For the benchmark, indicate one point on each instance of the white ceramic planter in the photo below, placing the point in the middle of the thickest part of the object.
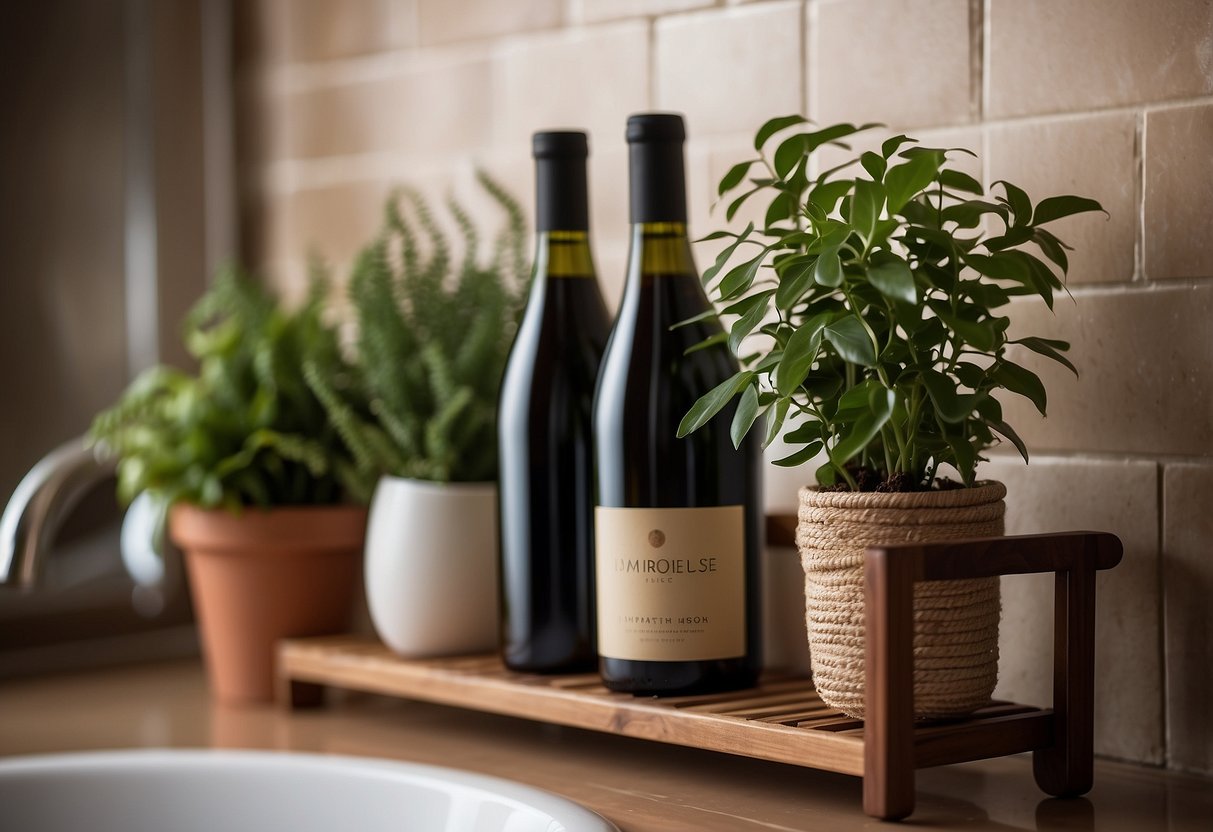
(431, 566)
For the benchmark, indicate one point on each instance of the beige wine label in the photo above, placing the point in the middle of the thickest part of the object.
(671, 583)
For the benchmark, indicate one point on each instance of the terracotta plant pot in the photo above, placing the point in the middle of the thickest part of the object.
(265, 575)
(955, 622)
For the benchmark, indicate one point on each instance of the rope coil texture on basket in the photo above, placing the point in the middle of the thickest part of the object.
(955, 622)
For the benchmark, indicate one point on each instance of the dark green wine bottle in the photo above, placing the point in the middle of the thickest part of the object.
(678, 521)
(544, 429)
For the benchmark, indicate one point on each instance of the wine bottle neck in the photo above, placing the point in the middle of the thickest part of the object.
(563, 254)
(657, 182)
(561, 193)
(661, 248)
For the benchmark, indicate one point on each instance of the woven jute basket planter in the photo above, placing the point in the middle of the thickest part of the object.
(955, 622)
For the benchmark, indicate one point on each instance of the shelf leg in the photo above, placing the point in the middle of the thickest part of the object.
(1066, 769)
(297, 695)
(888, 731)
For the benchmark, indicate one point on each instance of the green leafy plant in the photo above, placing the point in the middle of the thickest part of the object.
(433, 335)
(246, 429)
(874, 295)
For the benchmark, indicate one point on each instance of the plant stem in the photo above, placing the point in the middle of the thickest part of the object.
(888, 453)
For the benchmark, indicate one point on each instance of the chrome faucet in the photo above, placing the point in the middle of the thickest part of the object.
(42, 501)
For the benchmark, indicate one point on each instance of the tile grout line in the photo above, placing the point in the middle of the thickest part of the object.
(986, 54)
(1139, 241)
(807, 27)
(1162, 617)
(1110, 457)
(977, 61)
(983, 133)
(983, 127)
(650, 56)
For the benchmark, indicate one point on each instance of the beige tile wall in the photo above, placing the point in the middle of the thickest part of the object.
(340, 99)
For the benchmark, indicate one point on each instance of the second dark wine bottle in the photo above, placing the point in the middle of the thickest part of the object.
(544, 429)
(678, 522)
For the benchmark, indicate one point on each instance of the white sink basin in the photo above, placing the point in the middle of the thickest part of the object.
(234, 791)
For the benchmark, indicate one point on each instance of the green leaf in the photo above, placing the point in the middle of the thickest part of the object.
(874, 164)
(865, 208)
(705, 315)
(827, 269)
(826, 475)
(773, 126)
(749, 321)
(725, 254)
(826, 195)
(890, 146)
(1050, 349)
(982, 336)
(892, 276)
(851, 341)
(1052, 247)
(781, 208)
(1002, 266)
(907, 179)
(795, 277)
(958, 181)
(712, 340)
(970, 375)
(775, 418)
(734, 176)
(1022, 381)
(1014, 237)
(833, 133)
(737, 203)
(1040, 277)
(740, 277)
(1056, 207)
(965, 457)
(788, 154)
(804, 433)
(987, 295)
(968, 214)
(800, 457)
(1009, 432)
(1021, 206)
(799, 355)
(744, 416)
(857, 401)
(713, 402)
(884, 228)
(865, 429)
(951, 406)
(739, 308)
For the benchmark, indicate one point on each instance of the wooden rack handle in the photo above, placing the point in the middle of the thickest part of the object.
(1063, 768)
(1016, 555)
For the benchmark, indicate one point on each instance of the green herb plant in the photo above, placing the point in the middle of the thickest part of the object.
(433, 334)
(246, 429)
(876, 293)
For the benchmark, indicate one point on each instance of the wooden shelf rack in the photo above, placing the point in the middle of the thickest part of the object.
(782, 719)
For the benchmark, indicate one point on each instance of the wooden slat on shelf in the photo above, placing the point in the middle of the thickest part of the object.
(329, 661)
(781, 719)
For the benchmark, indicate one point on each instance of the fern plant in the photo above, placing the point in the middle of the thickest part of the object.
(432, 340)
(246, 429)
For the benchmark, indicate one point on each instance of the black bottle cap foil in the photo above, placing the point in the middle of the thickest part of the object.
(657, 176)
(561, 189)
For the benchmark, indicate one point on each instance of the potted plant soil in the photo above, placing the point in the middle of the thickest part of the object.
(418, 411)
(870, 317)
(253, 479)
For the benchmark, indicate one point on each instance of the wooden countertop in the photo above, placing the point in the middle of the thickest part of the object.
(641, 786)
